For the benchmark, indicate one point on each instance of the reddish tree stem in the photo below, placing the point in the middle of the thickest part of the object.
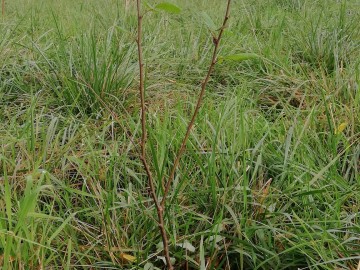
(160, 205)
(159, 208)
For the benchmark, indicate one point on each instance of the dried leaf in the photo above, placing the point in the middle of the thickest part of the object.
(150, 266)
(341, 128)
(216, 238)
(172, 260)
(187, 245)
(127, 257)
(159, 246)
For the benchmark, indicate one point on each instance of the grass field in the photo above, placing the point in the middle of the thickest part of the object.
(270, 176)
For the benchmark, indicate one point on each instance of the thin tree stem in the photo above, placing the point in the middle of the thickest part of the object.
(3, 7)
(160, 205)
(159, 208)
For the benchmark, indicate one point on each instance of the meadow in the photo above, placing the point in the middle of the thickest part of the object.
(270, 175)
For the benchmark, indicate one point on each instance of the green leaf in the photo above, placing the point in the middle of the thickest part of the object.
(208, 21)
(168, 7)
(238, 57)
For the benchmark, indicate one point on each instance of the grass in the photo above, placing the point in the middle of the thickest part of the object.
(270, 177)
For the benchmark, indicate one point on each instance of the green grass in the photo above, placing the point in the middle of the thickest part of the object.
(268, 180)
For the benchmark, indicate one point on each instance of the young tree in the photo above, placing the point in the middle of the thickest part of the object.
(161, 204)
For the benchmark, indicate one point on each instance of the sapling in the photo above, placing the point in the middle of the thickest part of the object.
(161, 204)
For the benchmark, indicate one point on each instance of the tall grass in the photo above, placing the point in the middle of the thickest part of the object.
(270, 176)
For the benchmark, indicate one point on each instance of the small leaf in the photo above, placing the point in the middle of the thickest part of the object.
(150, 266)
(187, 245)
(168, 7)
(341, 128)
(238, 57)
(159, 246)
(208, 21)
(216, 238)
(271, 208)
(127, 257)
(172, 260)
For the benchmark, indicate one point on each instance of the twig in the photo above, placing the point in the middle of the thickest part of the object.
(159, 208)
(216, 41)
(3, 7)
